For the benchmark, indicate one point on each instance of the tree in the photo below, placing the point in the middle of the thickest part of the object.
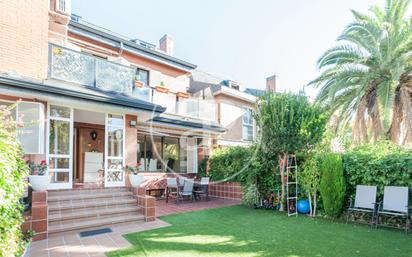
(288, 124)
(366, 78)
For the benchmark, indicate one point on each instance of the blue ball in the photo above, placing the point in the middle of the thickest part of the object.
(303, 206)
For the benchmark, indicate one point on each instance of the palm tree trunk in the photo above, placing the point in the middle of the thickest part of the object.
(374, 112)
(400, 130)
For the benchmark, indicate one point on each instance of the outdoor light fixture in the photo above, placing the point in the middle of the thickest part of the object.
(93, 135)
(132, 123)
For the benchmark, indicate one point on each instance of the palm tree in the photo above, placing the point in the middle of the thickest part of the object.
(366, 79)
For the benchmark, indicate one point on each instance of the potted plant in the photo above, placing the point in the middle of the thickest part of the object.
(135, 178)
(38, 178)
(137, 81)
(162, 88)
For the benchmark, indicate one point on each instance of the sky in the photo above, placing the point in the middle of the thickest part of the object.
(242, 40)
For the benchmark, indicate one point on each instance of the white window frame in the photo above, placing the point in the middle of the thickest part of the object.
(66, 8)
(69, 156)
(40, 137)
(106, 151)
(244, 136)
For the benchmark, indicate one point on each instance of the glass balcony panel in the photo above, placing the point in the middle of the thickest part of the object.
(165, 100)
(114, 77)
(144, 93)
(197, 109)
(72, 66)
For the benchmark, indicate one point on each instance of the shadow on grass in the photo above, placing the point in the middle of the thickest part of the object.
(239, 231)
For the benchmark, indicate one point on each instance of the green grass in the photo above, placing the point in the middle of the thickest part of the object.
(238, 231)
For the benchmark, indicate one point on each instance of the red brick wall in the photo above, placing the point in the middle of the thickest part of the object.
(226, 190)
(23, 38)
(37, 219)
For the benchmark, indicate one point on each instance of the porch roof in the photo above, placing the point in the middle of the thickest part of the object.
(189, 123)
(78, 92)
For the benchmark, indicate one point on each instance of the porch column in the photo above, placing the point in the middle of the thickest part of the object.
(130, 144)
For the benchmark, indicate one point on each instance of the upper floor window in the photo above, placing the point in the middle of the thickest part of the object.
(247, 124)
(142, 76)
(63, 6)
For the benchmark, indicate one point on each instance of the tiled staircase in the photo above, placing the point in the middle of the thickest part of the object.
(87, 209)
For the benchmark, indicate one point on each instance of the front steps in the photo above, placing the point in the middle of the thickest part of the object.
(88, 209)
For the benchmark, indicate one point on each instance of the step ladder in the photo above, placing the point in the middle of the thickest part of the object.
(292, 185)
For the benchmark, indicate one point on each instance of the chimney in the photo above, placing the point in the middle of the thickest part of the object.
(166, 44)
(271, 84)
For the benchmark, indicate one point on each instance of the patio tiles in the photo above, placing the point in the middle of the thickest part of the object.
(71, 244)
(163, 208)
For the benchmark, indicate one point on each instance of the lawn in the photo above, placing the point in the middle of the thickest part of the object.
(239, 231)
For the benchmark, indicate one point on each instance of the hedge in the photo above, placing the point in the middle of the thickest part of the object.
(12, 171)
(230, 164)
(381, 164)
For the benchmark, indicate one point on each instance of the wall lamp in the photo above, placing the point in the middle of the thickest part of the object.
(132, 123)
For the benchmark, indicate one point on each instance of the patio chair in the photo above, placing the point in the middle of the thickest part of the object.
(152, 165)
(187, 191)
(365, 203)
(395, 205)
(202, 188)
(171, 188)
(142, 164)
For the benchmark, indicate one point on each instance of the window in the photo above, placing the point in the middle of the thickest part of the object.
(162, 154)
(247, 127)
(63, 6)
(31, 134)
(142, 76)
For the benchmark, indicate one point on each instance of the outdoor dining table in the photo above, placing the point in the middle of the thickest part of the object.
(196, 187)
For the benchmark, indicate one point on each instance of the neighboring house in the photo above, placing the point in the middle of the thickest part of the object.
(234, 107)
(95, 100)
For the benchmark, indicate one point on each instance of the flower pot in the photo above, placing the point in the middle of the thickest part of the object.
(162, 89)
(136, 180)
(39, 183)
(138, 84)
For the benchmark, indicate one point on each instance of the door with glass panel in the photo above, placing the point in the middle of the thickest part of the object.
(114, 151)
(60, 146)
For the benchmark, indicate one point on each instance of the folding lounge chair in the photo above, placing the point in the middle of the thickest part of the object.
(365, 202)
(395, 204)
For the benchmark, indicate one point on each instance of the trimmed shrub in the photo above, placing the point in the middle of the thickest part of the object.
(332, 184)
(381, 164)
(230, 164)
(12, 171)
(251, 195)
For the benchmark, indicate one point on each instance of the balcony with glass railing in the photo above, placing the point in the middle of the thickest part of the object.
(84, 69)
(87, 70)
(196, 108)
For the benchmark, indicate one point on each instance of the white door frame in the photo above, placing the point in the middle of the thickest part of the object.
(69, 156)
(106, 148)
